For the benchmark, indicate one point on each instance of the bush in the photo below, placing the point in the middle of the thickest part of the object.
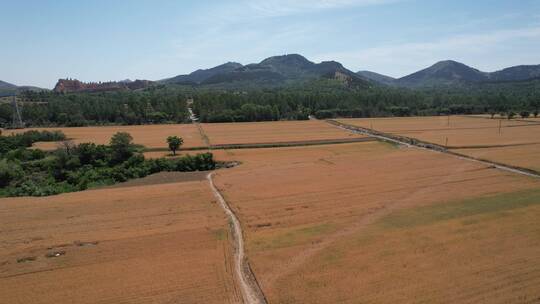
(9, 171)
(75, 168)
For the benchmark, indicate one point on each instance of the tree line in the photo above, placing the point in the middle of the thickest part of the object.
(335, 101)
(81, 109)
(168, 103)
(33, 172)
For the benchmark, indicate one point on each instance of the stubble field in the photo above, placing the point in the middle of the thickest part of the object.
(160, 243)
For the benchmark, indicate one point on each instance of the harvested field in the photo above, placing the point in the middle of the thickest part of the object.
(313, 208)
(483, 250)
(272, 132)
(163, 178)
(150, 136)
(524, 156)
(161, 243)
(462, 131)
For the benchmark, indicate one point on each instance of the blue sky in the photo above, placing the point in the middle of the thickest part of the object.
(113, 40)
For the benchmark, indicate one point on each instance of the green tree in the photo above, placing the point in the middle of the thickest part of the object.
(524, 114)
(122, 147)
(174, 143)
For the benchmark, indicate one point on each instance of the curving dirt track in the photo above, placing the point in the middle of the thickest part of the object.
(251, 292)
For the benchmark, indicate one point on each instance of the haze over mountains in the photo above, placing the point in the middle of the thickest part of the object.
(294, 69)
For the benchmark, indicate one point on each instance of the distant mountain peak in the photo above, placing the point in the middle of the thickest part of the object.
(446, 72)
(275, 70)
(289, 58)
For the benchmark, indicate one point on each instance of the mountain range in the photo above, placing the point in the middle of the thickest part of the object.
(452, 73)
(295, 69)
(290, 68)
(277, 70)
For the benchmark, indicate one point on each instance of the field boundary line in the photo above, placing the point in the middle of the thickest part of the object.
(412, 142)
(503, 119)
(251, 291)
(272, 144)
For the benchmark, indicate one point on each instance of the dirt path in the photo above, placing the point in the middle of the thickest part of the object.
(251, 292)
(195, 120)
(410, 142)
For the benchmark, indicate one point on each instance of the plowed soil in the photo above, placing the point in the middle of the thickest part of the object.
(162, 243)
(309, 212)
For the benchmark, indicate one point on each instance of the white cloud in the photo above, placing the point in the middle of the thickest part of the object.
(487, 51)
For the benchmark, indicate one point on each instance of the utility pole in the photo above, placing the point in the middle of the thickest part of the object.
(17, 119)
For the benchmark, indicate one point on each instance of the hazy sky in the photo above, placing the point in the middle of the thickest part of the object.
(95, 40)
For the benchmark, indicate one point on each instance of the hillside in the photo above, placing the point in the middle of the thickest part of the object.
(443, 73)
(7, 89)
(201, 75)
(273, 71)
(5, 85)
(451, 73)
(376, 77)
(516, 73)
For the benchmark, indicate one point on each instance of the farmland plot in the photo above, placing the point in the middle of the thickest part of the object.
(314, 225)
(458, 131)
(157, 243)
(516, 143)
(150, 136)
(524, 156)
(273, 132)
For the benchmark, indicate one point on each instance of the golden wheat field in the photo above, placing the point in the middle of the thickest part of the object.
(515, 143)
(366, 222)
(166, 242)
(371, 222)
(455, 131)
(150, 136)
(272, 132)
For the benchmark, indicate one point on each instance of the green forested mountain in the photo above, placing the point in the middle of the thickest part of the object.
(451, 73)
(516, 73)
(271, 72)
(443, 73)
(376, 77)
